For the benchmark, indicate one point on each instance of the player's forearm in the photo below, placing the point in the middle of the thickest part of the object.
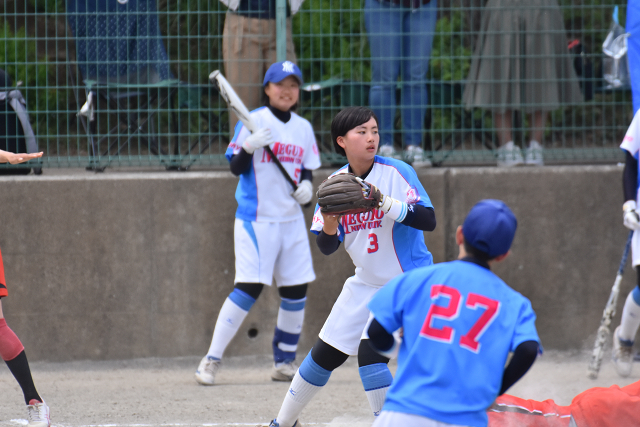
(327, 243)
(240, 163)
(3, 156)
(421, 218)
(523, 357)
(306, 175)
(630, 177)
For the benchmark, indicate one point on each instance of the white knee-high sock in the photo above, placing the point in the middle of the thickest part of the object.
(288, 328)
(307, 382)
(232, 314)
(376, 380)
(630, 316)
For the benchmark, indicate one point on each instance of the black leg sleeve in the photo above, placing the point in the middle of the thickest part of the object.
(19, 367)
(368, 356)
(326, 356)
(251, 289)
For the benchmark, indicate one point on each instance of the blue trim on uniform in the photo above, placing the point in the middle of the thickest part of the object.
(249, 229)
(410, 175)
(236, 131)
(313, 373)
(293, 304)
(242, 299)
(636, 294)
(375, 376)
(410, 247)
(281, 336)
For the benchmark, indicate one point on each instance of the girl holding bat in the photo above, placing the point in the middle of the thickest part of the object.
(270, 235)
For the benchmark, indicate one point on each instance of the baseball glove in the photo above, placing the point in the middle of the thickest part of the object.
(345, 193)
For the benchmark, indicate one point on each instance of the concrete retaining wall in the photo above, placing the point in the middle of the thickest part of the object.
(123, 265)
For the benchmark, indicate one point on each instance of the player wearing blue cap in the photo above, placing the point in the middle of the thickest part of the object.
(459, 322)
(270, 236)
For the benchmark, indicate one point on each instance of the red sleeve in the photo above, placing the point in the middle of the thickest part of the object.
(3, 283)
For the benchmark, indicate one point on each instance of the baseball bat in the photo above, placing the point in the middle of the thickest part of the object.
(607, 316)
(237, 106)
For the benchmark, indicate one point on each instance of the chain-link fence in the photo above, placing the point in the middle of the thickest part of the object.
(126, 82)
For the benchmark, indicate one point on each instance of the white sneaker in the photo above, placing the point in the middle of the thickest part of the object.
(509, 155)
(284, 371)
(622, 355)
(533, 154)
(38, 414)
(206, 373)
(386, 151)
(415, 155)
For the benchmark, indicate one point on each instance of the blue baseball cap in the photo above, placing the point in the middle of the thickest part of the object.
(490, 227)
(280, 71)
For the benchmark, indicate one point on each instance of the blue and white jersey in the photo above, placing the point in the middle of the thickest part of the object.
(631, 143)
(380, 247)
(460, 322)
(263, 194)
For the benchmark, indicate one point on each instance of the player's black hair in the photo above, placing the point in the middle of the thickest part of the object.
(346, 120)
(476, 253)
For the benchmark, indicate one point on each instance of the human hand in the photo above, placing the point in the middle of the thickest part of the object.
(304, 193)
(331, 222)
(630, 217)
(258, 139)
(15, 158)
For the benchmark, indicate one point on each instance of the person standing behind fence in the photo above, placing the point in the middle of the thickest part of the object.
(249, 46)
(521, 62)
(400, 38)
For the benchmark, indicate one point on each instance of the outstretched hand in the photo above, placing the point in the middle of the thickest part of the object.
(15, 158)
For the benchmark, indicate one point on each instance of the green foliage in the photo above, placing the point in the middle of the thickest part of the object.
(47, 6)
(20, 60)
(331, 41)
(450, 58)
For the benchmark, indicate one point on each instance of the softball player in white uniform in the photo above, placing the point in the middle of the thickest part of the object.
(270, 235)
(382, 244)
(625, 334)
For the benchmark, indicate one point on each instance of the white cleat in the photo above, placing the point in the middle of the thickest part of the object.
(622, 355)
(274, 423)
(38, 414)
(509, 155)
(284, 371)
(386, 151)
(207, 370)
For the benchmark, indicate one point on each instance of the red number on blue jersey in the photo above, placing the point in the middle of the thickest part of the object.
(449, 312)
(373, 243)
(491, 307)
(452, 310)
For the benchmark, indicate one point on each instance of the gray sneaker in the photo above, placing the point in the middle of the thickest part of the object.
(622, 355)
(386, 151)
(284, 371)
(415, 155)
(207, 370)
(38, 414)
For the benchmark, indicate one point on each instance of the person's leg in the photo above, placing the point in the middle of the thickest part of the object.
(313, 374)
(503, 125)
(538, 119)
(243, 61)
(625, 334)
(418, 32)
(375, 375)
(288, 329)
(384, 30)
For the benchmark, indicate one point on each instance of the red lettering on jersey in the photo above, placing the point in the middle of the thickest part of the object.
(447, 312)
(492, 307)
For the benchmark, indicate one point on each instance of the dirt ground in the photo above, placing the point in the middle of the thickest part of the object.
(162, 392)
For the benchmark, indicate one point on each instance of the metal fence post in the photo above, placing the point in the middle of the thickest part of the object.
(281, 30)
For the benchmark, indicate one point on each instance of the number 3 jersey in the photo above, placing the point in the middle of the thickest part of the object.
(263, 194)
(460, 321)
(380, 247)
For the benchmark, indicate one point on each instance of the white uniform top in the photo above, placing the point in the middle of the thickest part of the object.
(631, 143)
(263, 194)
(380, 247)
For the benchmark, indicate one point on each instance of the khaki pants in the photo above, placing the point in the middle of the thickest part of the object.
(248, 49)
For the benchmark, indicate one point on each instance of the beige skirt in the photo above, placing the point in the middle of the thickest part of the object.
(521, 61)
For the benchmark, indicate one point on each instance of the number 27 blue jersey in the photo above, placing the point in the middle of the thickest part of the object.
(460, 322)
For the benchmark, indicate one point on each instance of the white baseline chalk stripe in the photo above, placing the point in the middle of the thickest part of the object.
(25, 422)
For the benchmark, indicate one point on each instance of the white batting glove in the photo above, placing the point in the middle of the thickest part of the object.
(631, 220)
(304, 193)
(394, 209)
(258, 139)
